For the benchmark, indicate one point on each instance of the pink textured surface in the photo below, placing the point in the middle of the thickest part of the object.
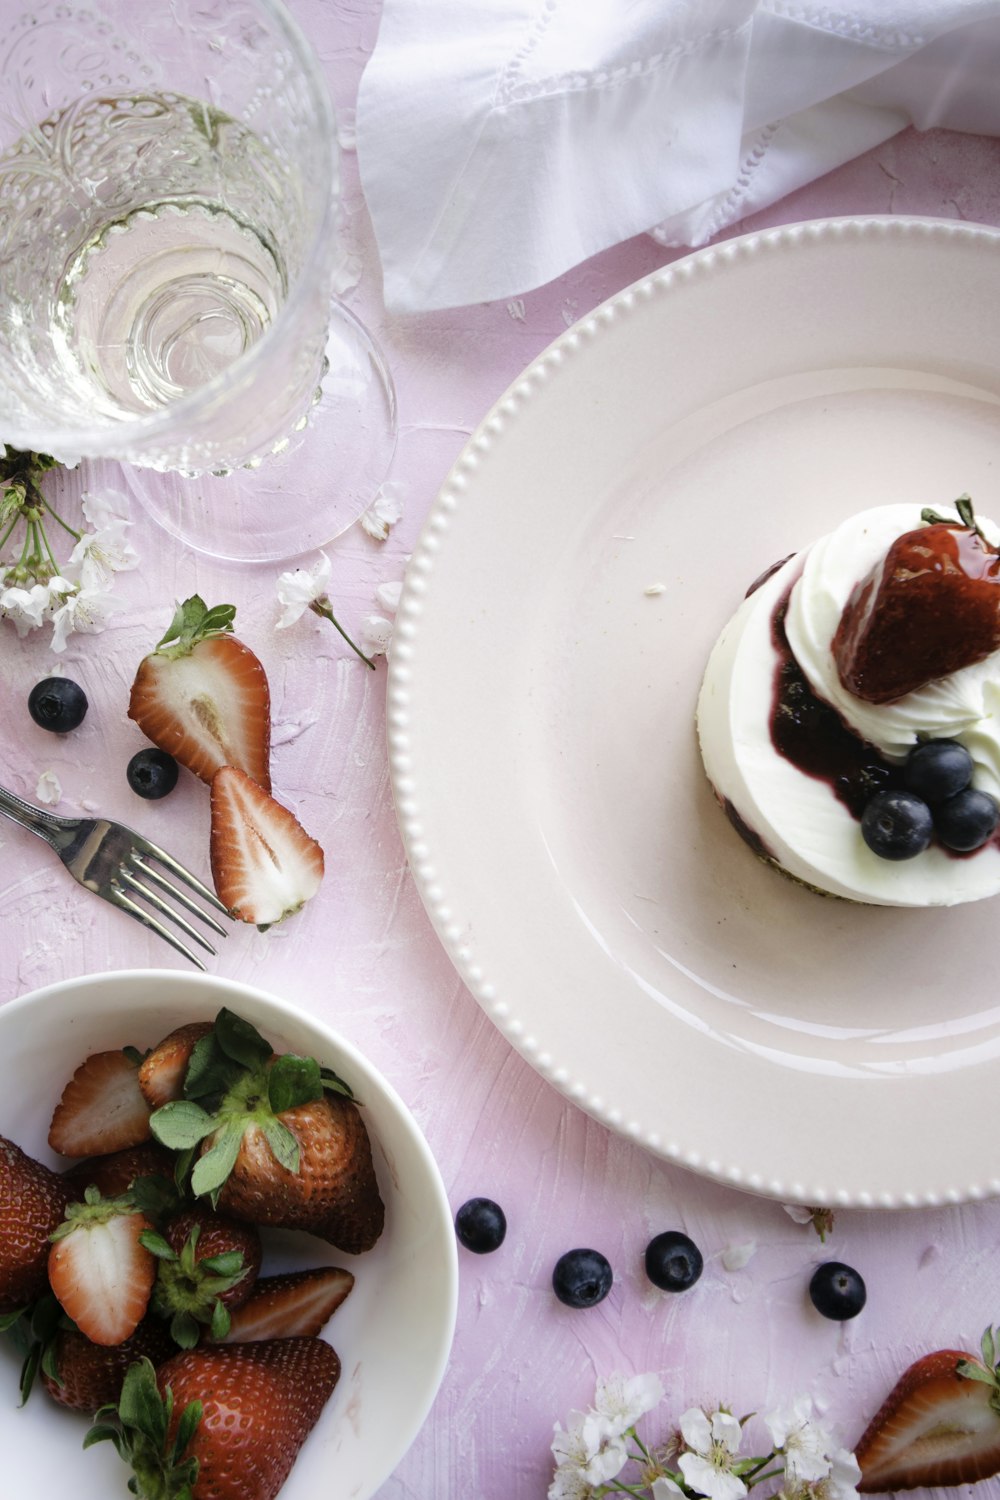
(363, 955)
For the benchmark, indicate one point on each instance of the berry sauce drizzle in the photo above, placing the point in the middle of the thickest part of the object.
(814, 738)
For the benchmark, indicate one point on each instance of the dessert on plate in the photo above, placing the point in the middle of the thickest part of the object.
(849, 716)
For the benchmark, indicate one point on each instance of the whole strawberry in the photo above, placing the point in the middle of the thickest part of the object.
(114, 1174)
(930, 607)
(227, 1421)
(278, 1140)
(86, 1376)
(206, 1267)
(202, 696)
(32, 1204)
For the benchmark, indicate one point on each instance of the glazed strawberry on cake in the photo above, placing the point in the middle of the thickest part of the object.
(849, 716)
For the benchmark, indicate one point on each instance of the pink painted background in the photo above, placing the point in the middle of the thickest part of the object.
(364, 956)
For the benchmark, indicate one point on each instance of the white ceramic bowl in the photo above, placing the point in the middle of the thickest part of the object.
(394, 1332)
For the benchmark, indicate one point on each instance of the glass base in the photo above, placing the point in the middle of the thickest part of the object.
(312, 488)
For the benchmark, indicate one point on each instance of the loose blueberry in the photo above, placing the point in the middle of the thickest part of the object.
(938, 769)
(897, 825)
(152, 773)
(58, 704)
(673, 1261)
(582, 1278)
(837, 1291)
(966, 821)
(481, 1225)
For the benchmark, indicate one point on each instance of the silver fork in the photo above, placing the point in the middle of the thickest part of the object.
(112, 861)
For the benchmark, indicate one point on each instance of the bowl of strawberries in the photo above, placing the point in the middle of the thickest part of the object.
(227, 1259)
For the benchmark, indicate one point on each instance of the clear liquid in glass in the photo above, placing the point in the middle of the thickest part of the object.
(145, 243)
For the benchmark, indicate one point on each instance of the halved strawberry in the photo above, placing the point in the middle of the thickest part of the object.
(203, 696)
(102, 1108)
(161, 1076)
(98, 1270)
(294, 1305)
(32, 1203)
(220, 1422)
(264, 864)
(940, 1425)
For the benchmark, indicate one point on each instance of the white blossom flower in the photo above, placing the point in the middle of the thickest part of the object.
(100, 554)
(87, 610)
(102, 510)
(385, 510)
(388, 595)
(623, 1400)
(376, 632)
(714, 1442)
(300, 588)
(735, 1257)
(572, 1449)
(844, 1476)
(798, 1213)
(570, 1483)
(839, 1484)
(28, 607)
(664, 1488)
(569, 1444)
(805, 1444)
(608, 1449)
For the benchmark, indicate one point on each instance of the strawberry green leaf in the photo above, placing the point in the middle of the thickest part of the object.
(214, 1167)
(102, 1432)
(7, 1320)
(181, 1124)
(134, 1055)
(157, 1245)
(335, 1085)
(218, 620)
(29, 1370)
(241, 1041)
(209, 1070)
(155, 1196)
(283, 1143)
(964, 507)
(184, 1330)
(140, 1404)
(292, 1081)
(973, 1371)
(221, 1321)
(193, 621)
(989, 1348)
(229, 1263)
(186, 1429)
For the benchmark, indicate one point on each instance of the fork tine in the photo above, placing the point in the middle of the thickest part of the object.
(161, 906)
(118, 898)
(143, 846)
(138, 862)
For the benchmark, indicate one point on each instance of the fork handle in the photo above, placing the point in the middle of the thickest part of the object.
(46, 825)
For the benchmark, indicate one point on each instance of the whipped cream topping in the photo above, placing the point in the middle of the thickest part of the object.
(964, 705)
(797, 817)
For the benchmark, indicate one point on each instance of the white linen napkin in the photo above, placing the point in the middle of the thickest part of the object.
(502, 142)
